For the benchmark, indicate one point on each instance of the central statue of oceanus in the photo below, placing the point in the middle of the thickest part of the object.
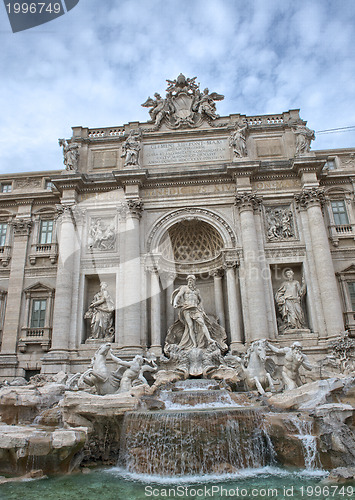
(193, 327)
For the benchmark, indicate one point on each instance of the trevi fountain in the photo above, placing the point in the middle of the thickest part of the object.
(196, 421)
(205, 265)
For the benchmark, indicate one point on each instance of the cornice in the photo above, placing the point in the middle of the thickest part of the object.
(310, 163)
(130, 177)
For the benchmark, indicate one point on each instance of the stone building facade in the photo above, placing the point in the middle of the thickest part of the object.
(238, 201)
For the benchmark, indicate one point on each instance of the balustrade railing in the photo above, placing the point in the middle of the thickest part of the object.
(337, 231)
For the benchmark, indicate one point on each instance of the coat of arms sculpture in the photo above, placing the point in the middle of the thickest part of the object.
(184, 106)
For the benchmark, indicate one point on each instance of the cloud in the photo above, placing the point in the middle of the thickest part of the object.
(96, 65)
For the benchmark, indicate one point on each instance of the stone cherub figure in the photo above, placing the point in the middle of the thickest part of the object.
(100, 313)
(288, 299)
(70, 154)
(293, 360)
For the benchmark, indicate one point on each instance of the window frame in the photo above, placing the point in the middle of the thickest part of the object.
(6, 185)
(42, 313)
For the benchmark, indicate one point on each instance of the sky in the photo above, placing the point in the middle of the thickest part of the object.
(97, 64)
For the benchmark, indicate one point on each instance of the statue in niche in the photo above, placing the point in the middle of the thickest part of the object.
(304, 137)
(100, 313)
(293, 360)
(279, 222)
(70, 154)
(237, 141)
(131, 148)
(193, 329)
(101, 237)
(289, 302)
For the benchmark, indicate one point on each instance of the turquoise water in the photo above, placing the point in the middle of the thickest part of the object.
(116, 484)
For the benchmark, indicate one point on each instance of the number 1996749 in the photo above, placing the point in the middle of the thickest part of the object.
(33, 8)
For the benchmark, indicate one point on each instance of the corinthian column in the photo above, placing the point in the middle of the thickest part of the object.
(311, 200)
(21, 231)
(247, 203)
(132, 277)
(234, 318)
(155, 313)
(58, 356)
(218, 297)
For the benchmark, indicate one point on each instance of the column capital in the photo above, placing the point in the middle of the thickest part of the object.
(152, 269)
(309, 197)
(135, 207)
(22, 226)
(247, 201)
(217, 273)
(65, 211)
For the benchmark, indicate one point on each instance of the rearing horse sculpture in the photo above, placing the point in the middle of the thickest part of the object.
(256, 367)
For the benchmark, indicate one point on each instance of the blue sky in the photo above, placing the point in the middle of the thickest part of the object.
(95, 65)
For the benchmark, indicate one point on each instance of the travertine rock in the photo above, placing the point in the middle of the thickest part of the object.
(52, 451)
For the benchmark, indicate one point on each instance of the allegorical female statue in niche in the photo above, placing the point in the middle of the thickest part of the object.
(289, 302)
(100, 313)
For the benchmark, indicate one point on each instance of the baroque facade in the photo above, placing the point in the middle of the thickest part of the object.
(93, 252)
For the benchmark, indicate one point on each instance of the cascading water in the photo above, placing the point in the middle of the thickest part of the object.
(309, 442)
(189, 441)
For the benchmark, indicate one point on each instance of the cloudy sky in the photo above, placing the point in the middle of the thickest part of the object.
(95, 65)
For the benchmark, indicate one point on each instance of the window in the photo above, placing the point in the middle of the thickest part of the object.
(351, 286)
(3, 230)
(49, 185)
(339, 212)
(330, 164)
(46, 232)
(6, 187)
(38, 315)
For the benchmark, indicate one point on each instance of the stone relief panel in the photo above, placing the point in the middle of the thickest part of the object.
(102, 234)
(105, 159)
(279, 223)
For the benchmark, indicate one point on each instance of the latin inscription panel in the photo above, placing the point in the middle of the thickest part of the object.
(169, 153)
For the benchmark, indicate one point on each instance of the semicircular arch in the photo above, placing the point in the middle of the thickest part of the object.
(219, 223)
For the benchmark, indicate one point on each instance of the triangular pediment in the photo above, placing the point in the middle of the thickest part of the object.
(38, 287)
(350, 269)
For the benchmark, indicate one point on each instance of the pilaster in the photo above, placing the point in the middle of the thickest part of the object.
(21, 230)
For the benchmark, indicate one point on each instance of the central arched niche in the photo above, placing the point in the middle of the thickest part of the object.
(191, 242)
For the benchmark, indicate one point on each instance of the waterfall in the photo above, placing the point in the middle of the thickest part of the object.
(309, 442)
(194, 441)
